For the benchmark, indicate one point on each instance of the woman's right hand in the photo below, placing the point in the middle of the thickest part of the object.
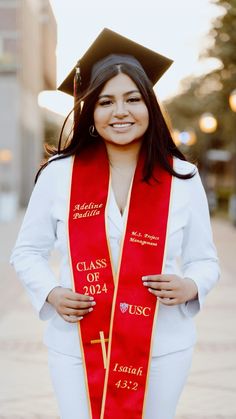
(70, 305)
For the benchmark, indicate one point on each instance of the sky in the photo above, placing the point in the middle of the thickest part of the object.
(175, 28)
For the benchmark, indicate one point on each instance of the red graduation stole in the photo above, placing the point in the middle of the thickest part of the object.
(116, 337)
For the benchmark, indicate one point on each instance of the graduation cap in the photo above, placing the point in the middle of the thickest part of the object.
(109, 43)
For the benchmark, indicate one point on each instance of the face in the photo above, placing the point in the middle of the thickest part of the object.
(120, 114)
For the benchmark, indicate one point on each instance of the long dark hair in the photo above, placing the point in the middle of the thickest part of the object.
(157, 142)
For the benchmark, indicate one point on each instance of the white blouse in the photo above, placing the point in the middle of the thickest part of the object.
(190, 253)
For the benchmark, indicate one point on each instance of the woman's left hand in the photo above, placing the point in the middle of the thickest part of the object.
(171, 289)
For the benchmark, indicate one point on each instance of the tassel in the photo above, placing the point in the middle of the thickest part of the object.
(77, 80)
(77, 89)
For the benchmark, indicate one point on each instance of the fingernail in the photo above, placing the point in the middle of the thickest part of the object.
(145, 283)
(93, 303)
(80, 318)
(90, 309)
(144, 278)
(91, 298)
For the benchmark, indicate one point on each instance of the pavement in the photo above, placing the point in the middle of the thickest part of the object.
(25, 388)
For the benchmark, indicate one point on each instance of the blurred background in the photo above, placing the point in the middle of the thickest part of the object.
(40, 41)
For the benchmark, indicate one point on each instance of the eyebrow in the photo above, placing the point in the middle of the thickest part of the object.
(125, 94)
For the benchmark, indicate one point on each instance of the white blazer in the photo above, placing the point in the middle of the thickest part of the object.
(190, 253)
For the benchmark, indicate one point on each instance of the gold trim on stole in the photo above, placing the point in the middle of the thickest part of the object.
(106, 228)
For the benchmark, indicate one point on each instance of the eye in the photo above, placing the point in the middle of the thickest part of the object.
(134, 99)
(105, 102)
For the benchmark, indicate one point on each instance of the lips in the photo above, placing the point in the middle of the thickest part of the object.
(122, 124)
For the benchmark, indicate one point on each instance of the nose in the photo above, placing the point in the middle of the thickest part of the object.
(120, 110)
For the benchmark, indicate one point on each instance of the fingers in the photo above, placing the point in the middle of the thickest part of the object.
(77, 305)
(165, 297)
(170, 289)
(72, 315)
(168, 301)
(72, 312)
(157, 284)
(71, 319)
(162, 287)
(76, 308)
(75, 300)
(71, 306)
(160, 278)
(75, 296)
(164, 294)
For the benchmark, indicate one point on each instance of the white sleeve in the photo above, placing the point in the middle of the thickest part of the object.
(35, 242)
(199, 258)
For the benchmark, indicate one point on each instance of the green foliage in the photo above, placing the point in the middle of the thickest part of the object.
(210, 93)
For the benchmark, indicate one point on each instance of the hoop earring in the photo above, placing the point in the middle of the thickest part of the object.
(92, 131)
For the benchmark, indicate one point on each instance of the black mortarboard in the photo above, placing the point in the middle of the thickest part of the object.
(107, 43)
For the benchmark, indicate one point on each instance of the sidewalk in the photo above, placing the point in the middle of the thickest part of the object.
(25, 388)
(211, 389)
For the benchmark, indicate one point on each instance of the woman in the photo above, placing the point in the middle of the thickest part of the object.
(138, 257)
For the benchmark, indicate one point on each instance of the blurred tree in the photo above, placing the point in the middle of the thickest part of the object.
(223, 34)
(210, 92)
(223, 49)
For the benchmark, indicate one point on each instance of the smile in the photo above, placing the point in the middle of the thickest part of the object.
(122, 125)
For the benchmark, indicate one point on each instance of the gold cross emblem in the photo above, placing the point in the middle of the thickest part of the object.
(103, 341)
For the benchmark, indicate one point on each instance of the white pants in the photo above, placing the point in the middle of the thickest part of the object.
(168, 374)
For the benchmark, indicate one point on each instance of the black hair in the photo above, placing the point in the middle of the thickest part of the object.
(157, 141)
